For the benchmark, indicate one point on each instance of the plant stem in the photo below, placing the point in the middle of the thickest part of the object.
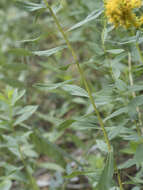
(118, 176)
(81, 74)
(134, 94)
(113, 78)
(85, 84)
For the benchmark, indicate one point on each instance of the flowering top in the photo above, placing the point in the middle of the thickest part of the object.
(120, 12)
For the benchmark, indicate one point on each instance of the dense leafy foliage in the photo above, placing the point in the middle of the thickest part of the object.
(50, 136)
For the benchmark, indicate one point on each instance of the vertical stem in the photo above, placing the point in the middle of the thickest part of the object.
(85, 84)
(82, 75)
(118, 176)
(134, 94)
(113, 78)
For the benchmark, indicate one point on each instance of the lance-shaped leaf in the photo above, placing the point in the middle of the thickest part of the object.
(107, 173)
(49, 51)
(95, 14)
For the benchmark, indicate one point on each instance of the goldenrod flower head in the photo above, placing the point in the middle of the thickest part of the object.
(120, 12)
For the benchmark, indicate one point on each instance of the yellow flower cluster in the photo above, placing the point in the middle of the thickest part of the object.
(120, 12)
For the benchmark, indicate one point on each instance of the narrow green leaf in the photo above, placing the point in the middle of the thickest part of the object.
(115, 51)
(29, 6)
(137, 101)
(25, 113)
(71, 89)
(46, 86)
(29, 40)
(75, 90)
(64, 68)
(107, 173)
(48, 52)
(121, 85)
(51, 166)
(127, 164)
(65, 124)
(5, 185)
(95, 14)
(139, 154)
(78, 173)
(116, 113)
(85, 123)
(101, 145)
(135, 88)
(17, 95)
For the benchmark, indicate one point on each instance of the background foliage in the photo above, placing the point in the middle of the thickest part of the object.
(50, 137)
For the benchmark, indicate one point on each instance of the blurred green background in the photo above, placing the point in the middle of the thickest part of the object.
(27, 32)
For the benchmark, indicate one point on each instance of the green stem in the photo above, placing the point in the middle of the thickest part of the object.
(118, 176)
(113, 78)
(85, 83)
(81, 74)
